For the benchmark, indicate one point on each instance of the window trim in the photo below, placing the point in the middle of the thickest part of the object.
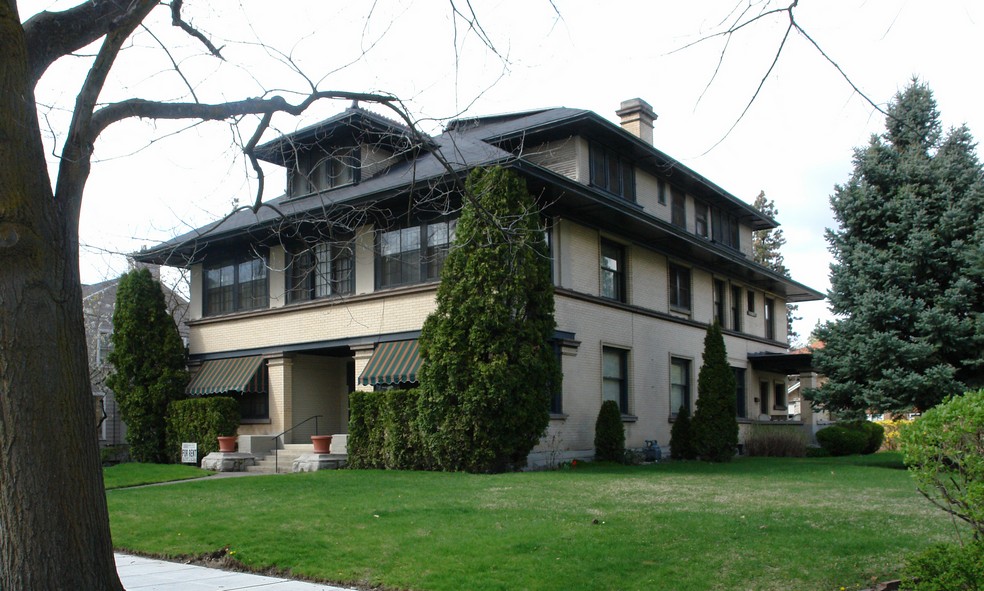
(678, 207)
(741, 392)
(720, 301)
(750, 303)
(319, 172)
(702, 216)
(779, 401)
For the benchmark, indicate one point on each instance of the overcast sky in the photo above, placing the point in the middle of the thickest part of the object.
(795, 142)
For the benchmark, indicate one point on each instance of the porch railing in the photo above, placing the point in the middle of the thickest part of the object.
(276, 467)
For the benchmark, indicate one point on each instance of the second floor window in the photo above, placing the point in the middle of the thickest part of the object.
(735, 308)
(608, 171)
(236, 286)
(679, 288)
(413, 255)
(720, 295)
(770, 318)
(612, 271)
(326, 269)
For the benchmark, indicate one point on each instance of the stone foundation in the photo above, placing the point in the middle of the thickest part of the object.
(235, 461)
(314, 462)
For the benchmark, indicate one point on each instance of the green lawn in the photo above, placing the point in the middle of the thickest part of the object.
(775, 524)
(134, 474)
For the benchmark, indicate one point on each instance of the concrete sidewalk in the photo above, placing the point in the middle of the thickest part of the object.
(146, 574)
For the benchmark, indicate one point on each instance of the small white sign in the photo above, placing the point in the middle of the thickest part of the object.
(189, 453)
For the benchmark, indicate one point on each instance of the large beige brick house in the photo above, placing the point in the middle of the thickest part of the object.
(325, 290)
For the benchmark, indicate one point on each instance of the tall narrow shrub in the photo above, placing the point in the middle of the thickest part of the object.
(609, 434)
(682, 436)
(489, 366)
(148, 360)
(715, 422)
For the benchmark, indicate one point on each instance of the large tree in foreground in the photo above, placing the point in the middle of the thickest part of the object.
(488, 365)
(53, 511)
(148, 360)
(908, 274)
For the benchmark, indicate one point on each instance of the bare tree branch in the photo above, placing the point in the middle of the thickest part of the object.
(178, 21)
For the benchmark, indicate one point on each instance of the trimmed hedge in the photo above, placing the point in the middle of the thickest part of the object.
(200, 420)
(384, 433)
(682, 436)
(775, 441)
(842, 441)
(874, 433)
(609, 434)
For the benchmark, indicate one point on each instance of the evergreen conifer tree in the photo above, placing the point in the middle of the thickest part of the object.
(609, 434)
(715, 422)
(148, 359)
(489, 367)
(908, 274)
(682, 436)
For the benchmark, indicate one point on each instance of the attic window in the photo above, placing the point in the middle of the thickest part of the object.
(611, 173)
(320, 170)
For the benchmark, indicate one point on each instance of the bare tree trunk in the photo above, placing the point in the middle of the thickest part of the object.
(53, 515)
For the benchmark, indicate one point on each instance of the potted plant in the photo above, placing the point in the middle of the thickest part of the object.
(227, 443)
(322, 443)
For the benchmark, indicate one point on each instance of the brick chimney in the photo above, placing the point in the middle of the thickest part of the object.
(637, 118)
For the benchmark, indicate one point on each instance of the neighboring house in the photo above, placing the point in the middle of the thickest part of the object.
(296, 305)
(98, 304)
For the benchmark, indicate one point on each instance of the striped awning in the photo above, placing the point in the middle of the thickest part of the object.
(392, 363)
(236, 374)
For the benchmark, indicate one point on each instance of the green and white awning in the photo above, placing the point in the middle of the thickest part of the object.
(394, 362)
(236, 374)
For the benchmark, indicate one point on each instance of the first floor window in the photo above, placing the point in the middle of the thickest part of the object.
(325, 269)
(764, 398)
(236, 286)
(679, 385)
(615, 377)
(679, 287)
(742, 411)
(254, 405)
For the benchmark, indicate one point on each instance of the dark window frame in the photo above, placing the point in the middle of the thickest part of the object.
(324, 270)
(678, 207)
(741, 395)
(736, 309)
(685, 388)
(779, 400)
(557, 390)
(770, 318)
(613, 279)
(765, 391)
(750, 302)
(422, 264)
(610, 172)
(338, 167)
(236, 295)
(720, 301)
(681, 289)
(701, 219)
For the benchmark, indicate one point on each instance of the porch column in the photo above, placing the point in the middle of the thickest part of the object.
(281, 385)
(362, 355)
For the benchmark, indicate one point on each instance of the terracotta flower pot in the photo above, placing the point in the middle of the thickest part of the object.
(322, 443)
(227, 443)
